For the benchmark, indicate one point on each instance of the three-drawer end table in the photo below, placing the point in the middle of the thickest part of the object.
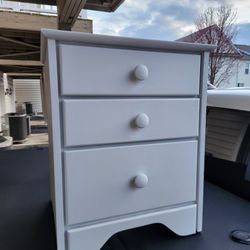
(126, 129)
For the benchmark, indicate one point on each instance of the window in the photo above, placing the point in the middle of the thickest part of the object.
(247, 66)
(240, 84)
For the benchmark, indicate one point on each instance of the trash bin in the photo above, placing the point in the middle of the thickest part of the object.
(18, 127)
(29, 108)
(21, 108)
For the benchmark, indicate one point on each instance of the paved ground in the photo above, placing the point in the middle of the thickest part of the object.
(27, 220)
(33, 140)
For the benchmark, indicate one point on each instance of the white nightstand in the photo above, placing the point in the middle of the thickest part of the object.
(127, 127)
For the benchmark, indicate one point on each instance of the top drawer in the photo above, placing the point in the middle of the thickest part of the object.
(105, 71)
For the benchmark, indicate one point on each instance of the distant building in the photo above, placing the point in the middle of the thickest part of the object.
(240, 76)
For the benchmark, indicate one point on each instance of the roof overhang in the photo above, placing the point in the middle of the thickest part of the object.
(109, 6)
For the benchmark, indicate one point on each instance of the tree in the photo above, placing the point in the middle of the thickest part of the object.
(218, 27)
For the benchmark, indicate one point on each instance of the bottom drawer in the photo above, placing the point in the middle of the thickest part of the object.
(107, 182)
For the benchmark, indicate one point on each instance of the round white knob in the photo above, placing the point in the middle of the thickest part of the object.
(141, 181)
(141, 72)
(142, 120)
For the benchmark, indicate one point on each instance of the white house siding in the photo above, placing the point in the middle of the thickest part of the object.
(28, 90)
(243, 78)
(238, 78)
(2, 103)
(9, 98)
(225, 132)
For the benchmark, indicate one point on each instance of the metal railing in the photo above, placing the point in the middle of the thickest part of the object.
(33, 8)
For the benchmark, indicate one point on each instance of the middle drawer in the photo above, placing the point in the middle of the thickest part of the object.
(87, 122)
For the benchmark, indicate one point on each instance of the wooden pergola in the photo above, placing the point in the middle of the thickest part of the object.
(20, 32)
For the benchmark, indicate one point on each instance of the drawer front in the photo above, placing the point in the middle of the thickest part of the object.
(181, 220)
(105, 182)
(106, 71)
(89, 122)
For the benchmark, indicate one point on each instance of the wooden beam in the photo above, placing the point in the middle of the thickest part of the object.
(68, 12)
(7, 62)
(18, 75)
(18, 42)
(12, 74)
(20, 54)
(10, 20)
